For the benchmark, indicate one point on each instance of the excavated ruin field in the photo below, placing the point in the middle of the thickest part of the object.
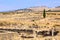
(30, 26)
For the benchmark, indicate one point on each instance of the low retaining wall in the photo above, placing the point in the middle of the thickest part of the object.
(9, 36)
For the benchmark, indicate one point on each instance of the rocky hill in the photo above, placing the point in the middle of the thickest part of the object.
(39, 8)
(35, 9)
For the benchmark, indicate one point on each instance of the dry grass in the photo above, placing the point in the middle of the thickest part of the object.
(25, 20)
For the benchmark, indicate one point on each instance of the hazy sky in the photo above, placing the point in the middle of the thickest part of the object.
(6, 5)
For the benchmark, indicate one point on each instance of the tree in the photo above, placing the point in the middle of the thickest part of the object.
(44, 13)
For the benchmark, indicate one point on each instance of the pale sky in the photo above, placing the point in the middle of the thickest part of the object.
(6, 5)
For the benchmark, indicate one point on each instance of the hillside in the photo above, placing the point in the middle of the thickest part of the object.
(29, 24)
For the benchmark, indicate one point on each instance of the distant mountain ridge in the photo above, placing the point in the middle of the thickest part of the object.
(57, 7)
(36, 9)
(39, 8)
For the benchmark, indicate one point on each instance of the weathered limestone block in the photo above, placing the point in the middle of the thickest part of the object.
(9, 36)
